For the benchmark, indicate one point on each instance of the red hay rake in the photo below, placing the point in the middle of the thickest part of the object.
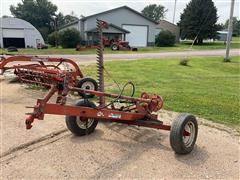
(39, 70)
(82, 118)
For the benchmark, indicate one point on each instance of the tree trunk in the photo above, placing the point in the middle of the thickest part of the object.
(199, 41)
(195, 42)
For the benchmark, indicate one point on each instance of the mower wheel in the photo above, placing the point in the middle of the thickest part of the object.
(89, 84)
(114, 47)
(183, 133)
(81, 126)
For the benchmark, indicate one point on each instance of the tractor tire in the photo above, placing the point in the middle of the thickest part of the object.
(180, 142)
(114, 47)
(89, 84)
(81, 126)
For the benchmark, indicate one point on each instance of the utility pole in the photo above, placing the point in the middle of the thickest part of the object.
(174, 12)
(229, 35)
(56, 31)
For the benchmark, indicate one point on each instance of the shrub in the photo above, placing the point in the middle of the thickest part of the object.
(69, 38)
(165, 38)
(44, 32)
(184, 62)
(52, 38)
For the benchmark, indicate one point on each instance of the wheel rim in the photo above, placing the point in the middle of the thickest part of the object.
(88, 85)
(114, 47)
(190, 129)
(84, 123)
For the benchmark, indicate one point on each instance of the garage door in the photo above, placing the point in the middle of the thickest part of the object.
(13, 37)
(13, 33)
(137, 36)
(16, 42)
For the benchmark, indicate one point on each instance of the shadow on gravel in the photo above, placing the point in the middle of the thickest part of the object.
(96, 135)
(147, 138)
(197, 157)
(136, 142)
(14, 80)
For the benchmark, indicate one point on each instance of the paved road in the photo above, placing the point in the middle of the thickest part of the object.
(161, 55)
(113, 151)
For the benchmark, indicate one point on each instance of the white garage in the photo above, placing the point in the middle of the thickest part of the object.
(125, 24)
(137, 36)
(18, 33)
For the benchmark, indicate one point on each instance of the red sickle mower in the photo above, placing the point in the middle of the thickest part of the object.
(82, 118)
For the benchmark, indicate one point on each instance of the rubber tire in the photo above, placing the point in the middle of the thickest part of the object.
(177, 129)
(72, 123)
(82, 81)
(114, 47)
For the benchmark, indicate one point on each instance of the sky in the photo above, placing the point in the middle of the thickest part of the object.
(89, 7)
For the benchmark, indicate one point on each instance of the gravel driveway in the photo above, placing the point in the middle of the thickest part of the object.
(161, 55)
(48, 151)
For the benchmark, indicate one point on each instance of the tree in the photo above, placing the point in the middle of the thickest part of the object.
(69, 18)
(69, 38)
(53, 39)
(220, 26)
(154, 12)
(198, 21)
(40, 13)
(236, 26)
(62, 20)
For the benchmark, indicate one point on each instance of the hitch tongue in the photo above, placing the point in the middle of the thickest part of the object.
(29, 121)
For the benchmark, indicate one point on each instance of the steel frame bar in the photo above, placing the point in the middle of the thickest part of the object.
(104, 114)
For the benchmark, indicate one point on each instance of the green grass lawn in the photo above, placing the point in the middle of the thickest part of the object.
(208, 87)
(183, 46)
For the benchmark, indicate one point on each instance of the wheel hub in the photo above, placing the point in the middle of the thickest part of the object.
(189, 134)
(84, 123)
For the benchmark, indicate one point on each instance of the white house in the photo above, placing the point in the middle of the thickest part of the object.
(125, 23)
(19, 33)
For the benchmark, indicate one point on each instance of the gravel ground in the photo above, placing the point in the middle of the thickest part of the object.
(113, 151)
